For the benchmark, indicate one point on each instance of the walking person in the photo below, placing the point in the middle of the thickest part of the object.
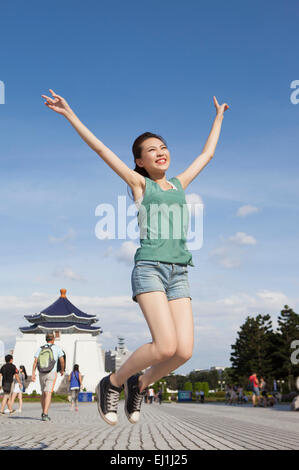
(233, 395)
(8, 373)
(160, 396)
(75, 381)
(45, 359)
(160, 275)
(263, 390)
(240, 394)
(202, 396)
(151, 395)
(228, 390)
(18, 390)
(253, 380)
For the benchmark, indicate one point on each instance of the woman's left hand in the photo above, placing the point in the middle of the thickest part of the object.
(220, 108)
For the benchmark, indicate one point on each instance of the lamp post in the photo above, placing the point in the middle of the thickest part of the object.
(280, 382)
(221, 382)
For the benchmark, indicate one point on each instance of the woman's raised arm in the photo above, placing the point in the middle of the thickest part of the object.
(209, 149)
(60, 106)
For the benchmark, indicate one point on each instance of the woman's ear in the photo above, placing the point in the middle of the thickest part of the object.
(139, 162)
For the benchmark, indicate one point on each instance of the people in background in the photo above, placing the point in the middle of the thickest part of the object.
(19, 390)
(8, 372)
(75, 381)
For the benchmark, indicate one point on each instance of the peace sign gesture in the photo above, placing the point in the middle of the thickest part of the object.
(220, 109)
(57, 103)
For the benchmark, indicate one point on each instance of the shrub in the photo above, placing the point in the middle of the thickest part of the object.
(220, 394)
(188, 386)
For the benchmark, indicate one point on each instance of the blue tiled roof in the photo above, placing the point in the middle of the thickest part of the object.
(61, 307)
(60, 326)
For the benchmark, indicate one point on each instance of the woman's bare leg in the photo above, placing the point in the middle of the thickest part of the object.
(157, 313)
(12, 399)
(181, 311)
(20, 396)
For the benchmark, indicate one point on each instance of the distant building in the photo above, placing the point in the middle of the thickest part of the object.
(218, 368)
(75, 333)
(115, 359)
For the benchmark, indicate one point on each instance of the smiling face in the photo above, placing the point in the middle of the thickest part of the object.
(155, 157)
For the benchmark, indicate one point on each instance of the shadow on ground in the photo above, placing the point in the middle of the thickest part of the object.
(41, 447)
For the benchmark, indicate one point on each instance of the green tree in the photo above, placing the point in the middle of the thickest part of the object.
(175, 382)
(251, 349)
(213, 378)
(227, 375)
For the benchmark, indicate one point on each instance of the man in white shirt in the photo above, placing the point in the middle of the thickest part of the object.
(48, 379)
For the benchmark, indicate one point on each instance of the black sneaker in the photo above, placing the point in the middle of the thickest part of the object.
(107, 400)
(45, 417)
(133, 399)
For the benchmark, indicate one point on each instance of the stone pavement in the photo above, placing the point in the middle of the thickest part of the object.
(170, 426)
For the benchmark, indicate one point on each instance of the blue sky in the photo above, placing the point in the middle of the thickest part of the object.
(129, 67)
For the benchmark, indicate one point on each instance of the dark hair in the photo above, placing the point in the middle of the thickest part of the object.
(8, 358)
(24, 370)
(137, 148)
(49, 337)
(76, 368)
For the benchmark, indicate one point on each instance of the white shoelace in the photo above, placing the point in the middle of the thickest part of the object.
(137, 400)
(112, 399)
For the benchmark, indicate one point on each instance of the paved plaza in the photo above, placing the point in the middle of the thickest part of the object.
(173, 426)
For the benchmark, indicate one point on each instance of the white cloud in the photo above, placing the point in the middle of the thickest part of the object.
(70, 235)
(126, 252)
(272, 298)
(241, 238)
(243, 211)
(68, 273)
(225, 257)
(229, 254)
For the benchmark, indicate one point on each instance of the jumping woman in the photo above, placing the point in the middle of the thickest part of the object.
(160, 274)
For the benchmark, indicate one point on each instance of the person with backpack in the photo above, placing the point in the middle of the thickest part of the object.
(45, 360)
(75, 381)
(8, 372)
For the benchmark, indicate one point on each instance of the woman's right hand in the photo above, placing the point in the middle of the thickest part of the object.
(57, 104)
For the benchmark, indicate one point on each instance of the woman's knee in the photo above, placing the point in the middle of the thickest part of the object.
(166, 350)
(183, 354)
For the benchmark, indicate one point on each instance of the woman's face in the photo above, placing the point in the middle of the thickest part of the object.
(155, 156)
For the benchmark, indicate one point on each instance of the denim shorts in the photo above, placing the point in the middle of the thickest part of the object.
(152, 276)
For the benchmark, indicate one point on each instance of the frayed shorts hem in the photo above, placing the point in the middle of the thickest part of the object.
(174, 297)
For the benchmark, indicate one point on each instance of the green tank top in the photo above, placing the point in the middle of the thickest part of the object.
(163, 220)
